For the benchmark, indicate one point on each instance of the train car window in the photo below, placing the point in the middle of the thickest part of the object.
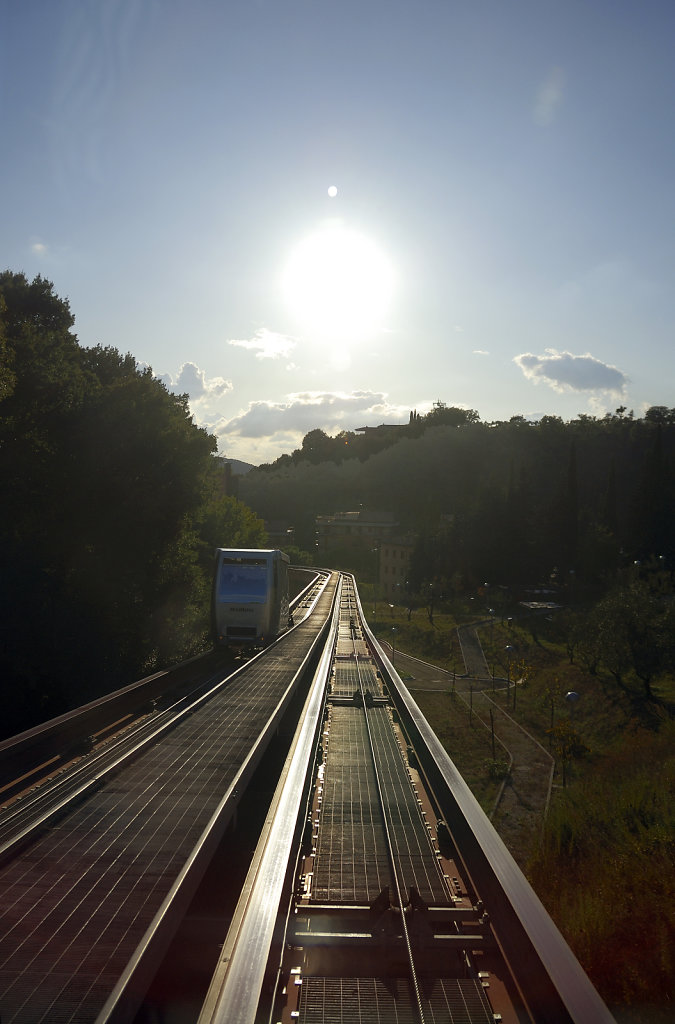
(242, 579)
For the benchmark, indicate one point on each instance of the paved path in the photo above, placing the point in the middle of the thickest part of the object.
(519, 813)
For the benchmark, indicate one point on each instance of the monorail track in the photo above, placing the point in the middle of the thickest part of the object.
(361, 904)
(91, 890)
(386, 914)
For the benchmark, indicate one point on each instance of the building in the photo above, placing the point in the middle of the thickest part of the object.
(370, 531)
(352, 530)
(394, 557)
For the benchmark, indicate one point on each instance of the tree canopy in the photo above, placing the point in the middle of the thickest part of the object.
(509, 502)
(112, 504)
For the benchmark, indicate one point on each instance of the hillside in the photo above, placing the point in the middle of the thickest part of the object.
(506, 502)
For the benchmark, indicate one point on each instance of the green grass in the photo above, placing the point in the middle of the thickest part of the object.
(605, 869)
(436, 643)
(468, 743)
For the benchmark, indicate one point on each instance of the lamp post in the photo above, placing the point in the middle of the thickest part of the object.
(508, 650)
(376, 551)
(393, 646)
(571, 697)
(492, 654)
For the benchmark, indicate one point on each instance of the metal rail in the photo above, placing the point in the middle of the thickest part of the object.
(113, 877)
(401, 905)
(235, 991)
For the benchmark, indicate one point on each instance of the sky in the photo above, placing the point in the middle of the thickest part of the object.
(325, 215)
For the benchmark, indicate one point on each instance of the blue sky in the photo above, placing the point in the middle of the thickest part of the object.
(502, 237)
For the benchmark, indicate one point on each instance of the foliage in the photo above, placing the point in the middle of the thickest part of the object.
(515, 503)
(631, 630)
(298, 556)
(468, 748)
(605, 868)
(317, 446)
(111, 507)
(498, 769)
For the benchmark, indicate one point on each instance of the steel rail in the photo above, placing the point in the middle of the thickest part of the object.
(390, 849)
(124, 995)
(234, 994)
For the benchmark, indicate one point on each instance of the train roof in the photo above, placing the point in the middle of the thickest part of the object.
(253, 551)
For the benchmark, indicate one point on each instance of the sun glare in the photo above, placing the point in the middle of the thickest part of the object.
(338, 283)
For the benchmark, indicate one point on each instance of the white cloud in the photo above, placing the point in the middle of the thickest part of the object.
(549, 97)
(267, 344)
(564, 371)
(194, 382)
(266, 429)
(480, 352)
(329, 411)
(39, 248)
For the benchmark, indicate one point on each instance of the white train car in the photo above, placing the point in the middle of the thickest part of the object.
(250, 595)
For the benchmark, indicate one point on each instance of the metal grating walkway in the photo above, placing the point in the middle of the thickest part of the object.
(415, 857)
(75, 904)
(352, 864)
(346, 679)
(390, 1001)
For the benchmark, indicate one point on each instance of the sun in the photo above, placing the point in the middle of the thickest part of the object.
(338, 283)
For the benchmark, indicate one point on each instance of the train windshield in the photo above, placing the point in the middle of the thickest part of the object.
(242, 579)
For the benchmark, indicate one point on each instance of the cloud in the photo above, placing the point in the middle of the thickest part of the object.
(194, 382)
(480, 352)
(264, 430)
(549, 97)
(564, 371)
(267, 344)
(39, 248)
(307, 410)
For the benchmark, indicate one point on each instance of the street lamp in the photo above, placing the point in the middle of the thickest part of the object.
(571, 697)
(492, 653)
(393, 646)
(508, 650)
(376, 552)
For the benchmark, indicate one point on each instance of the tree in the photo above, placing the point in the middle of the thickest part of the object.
(109, 512)
(629, 631)
(317, 446)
